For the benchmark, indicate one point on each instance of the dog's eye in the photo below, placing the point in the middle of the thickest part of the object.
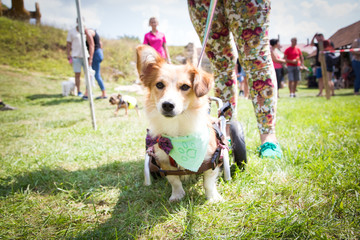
(160, 85)
(185, 87)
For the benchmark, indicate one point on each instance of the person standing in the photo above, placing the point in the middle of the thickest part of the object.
(294, 60)
(157, 40)
(356, 65)
(75, 54)
(249, 23)
(319, 38)
(94, 47)
(277, 61)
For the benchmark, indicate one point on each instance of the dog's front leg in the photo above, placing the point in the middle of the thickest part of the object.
(126, 109)
(210, 178)
(116, 111)
(177, 190)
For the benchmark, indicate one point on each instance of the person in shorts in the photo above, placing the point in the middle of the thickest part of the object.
(294, 60)
(75, 54)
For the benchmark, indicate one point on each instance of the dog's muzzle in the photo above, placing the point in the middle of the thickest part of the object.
(168, 109)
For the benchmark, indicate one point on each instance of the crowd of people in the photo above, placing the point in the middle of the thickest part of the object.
(292, 62)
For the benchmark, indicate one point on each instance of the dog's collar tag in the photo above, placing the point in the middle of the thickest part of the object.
(189, 151)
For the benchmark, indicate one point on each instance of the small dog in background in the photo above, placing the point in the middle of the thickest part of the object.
(124, 101)
(68, 87)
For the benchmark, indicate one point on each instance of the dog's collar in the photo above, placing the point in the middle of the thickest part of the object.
(188, 151)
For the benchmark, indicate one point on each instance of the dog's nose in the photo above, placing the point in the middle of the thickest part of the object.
(168, 106)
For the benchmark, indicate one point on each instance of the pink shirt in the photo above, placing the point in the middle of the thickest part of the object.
(156, 41)
(276, 64)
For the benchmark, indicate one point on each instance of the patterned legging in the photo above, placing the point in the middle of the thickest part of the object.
(248, 21)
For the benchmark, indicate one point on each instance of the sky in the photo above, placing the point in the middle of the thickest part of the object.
(116, 18)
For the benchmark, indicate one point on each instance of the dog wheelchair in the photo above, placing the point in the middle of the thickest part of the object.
(221, 157)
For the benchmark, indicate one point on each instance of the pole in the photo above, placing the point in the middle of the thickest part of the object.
(86, 63)
(325, 75)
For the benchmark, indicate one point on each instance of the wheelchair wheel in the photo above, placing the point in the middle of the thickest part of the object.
(238, 146)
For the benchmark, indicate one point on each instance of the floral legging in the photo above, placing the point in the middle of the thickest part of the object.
(248, 21)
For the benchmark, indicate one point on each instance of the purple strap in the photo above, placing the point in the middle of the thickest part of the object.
(164, 143)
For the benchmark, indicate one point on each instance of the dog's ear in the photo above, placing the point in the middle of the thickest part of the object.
(201, 80)
(119, 96)
(148, 59)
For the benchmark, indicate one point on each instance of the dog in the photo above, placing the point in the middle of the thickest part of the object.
(68, 87)
(126, 102)
(176, 106)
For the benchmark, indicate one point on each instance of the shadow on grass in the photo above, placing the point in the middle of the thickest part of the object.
(42, 96)
(138, 209)
(56, 99)
(62, 101)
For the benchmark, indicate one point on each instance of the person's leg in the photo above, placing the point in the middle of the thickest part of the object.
(219, 51)
(97, 59)
(77, 63)
(278, 72)
(291, 76)
(249, 23)
(77, 82)
(291, 87)
(297, 79)
(320, 81)
(356, 68)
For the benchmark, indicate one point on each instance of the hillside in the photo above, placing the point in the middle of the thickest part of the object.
(43, 49)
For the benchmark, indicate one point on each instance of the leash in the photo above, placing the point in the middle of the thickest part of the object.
(207, 29)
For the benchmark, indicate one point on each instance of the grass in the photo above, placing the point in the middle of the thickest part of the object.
(61, 179)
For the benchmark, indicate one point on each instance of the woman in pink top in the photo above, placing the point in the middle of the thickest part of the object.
(157, 39)
(277, 61)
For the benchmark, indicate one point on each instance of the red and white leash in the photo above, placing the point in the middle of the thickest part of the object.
(343, 50)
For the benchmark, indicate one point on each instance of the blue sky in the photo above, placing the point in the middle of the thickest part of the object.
(114, 18)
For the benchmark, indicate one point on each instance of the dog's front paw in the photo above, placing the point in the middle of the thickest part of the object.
(216, 197)
(177, 196)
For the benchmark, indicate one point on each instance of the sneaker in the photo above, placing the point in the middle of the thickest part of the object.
(5, 107)
(80, 94)
(101, 97)
(85, 97)
(270, 150)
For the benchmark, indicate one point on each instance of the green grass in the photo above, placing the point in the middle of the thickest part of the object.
(61, 179)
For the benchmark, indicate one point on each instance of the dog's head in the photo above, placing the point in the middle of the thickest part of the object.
(115, 99)
(171, 89)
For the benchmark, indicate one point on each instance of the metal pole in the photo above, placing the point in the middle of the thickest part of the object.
(86, 63)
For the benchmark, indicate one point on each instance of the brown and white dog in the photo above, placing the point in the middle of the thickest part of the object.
(176, 105)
